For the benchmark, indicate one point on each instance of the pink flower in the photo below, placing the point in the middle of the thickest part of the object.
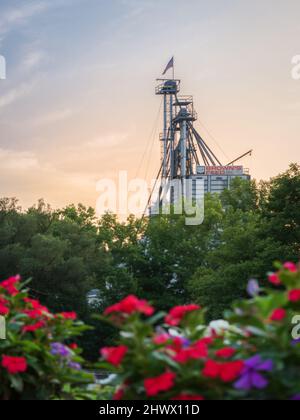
(33, 327)
(187, 397)
(4, 306)
(278, 315)
(161, 339)
(131, 305)
(294, 295)
(73, 346)
(36, 305)
(119, 394)
(231, 371)
(211, 369)
(194, 352)
(10, 285)
(274, 279)
(226, 353)
(69, 315)
(114, 355)
(162, 383)
(38, 311)
(4, 310)
(33, 313)
(14, 365)
(291, 267)
(176, 314)
(176, 344)
(227, 372)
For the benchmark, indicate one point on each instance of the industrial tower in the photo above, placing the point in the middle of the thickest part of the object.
(184, 153)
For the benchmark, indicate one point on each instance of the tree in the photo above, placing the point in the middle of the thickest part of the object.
(69, 252)
(172, 252)
(281, 210)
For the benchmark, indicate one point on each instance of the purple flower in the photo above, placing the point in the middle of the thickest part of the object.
(74, 365)
(58, 349)
(185, 343)
(251, 376)
(295, 342)
(253, 288)
(296, 397)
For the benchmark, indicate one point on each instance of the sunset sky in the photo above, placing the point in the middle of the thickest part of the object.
(78, 103)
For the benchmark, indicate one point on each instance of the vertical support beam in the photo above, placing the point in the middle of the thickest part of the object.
(171, 139)
(183, 148)
(183, 134)
(164, 174)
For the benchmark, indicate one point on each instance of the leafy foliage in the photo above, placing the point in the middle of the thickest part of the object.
(68, 253)
(254, 354)
(38, 358)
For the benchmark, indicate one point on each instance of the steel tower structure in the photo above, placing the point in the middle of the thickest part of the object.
(182, 146)
(184, 153)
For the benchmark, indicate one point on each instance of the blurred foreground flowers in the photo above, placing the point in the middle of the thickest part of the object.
(253, 354)
(38, 358)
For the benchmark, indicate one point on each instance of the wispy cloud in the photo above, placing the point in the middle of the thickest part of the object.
(136, 8)
(17, 161)
(108, 141)
(33, 59)
(20, 15)
(14, 94)
(54, 117)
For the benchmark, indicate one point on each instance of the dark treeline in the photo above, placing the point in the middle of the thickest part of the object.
(70, 252)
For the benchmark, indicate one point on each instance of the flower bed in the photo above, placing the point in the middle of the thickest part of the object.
(38, 358)
(253, 354)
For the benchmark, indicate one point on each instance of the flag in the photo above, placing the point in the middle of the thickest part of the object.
(169, 66)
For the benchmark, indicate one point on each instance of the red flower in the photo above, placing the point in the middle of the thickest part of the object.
(186, 397)
(10, 285)
(231, 371)
(227, 372)
(33, 327)
(278, 315)
(211, 369)
(162, 383)
(37, 310)
(196, 351)
(161, 339)
(114, 355)
(176, 314)
(69, 315)
(73, 346)
(291, 267)
(176, 345)
(274, 279)
(3, 306)
(294, 295)
(119, 394)
(33, 302)
(3, 301)
(226, 353)
(4, 310)
(131, 305)
(33, 313)
(207, 340)
(14, 364)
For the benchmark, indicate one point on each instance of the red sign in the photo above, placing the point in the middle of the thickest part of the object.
(224, 170)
